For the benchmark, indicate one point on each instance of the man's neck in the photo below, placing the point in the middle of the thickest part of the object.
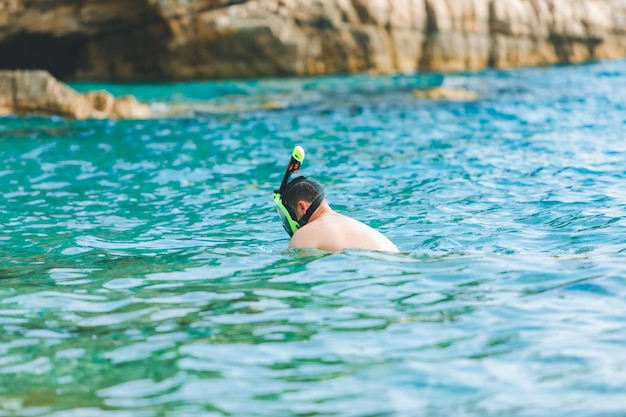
(322, 210)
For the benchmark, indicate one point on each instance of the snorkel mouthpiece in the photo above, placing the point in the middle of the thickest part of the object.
(290, 223)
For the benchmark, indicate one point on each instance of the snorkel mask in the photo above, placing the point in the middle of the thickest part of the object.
(287, 214)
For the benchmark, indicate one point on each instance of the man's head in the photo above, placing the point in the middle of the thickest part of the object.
(301, 189)
(297, 202)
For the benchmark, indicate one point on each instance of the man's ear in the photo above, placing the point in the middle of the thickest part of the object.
(303, 205)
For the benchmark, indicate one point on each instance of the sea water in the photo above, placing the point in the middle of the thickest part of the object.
(145, 272)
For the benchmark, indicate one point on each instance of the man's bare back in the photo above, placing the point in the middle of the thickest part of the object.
(330, 231)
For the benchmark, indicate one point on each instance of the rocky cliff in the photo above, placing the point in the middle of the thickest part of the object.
(198, 39)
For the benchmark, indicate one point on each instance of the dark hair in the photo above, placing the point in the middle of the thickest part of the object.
(301, 189)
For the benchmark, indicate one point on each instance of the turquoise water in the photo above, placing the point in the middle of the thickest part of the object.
(145, 272)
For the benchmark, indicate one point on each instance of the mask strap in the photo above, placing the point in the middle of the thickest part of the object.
(305, 219)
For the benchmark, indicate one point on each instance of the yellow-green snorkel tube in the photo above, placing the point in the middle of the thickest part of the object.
(287, 216)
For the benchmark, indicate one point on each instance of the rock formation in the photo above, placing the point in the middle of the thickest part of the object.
(38, 92)
(200, 39)
(444, 93)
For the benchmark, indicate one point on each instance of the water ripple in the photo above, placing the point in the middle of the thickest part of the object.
(146, 273)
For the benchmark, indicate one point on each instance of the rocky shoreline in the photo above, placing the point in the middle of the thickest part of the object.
(214, 39)
(38, 92)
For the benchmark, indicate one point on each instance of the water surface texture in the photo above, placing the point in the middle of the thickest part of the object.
(145, 273)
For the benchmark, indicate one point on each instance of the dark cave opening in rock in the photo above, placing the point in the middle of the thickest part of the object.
(61, 56)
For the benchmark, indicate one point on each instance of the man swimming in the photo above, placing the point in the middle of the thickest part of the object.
(312, 223)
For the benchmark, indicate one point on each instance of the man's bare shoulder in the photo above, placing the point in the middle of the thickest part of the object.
(304, 238)
(318, 235)
(335, 232)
